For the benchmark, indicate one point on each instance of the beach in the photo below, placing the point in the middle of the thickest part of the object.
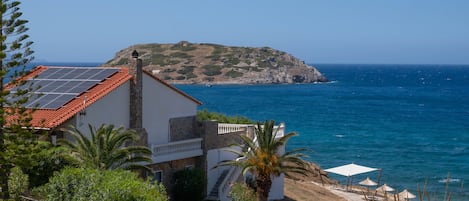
(316, 186)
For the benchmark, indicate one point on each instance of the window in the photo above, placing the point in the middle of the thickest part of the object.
(157, 176)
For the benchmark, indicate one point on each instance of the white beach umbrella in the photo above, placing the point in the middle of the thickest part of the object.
(350, 170)
(385, 188)
(368, 182)
(405, 194)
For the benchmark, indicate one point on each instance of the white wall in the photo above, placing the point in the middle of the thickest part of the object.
(111, 109)
(160, 104)
(214, 156)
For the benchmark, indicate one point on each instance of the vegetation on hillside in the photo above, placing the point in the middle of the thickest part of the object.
(186, 62)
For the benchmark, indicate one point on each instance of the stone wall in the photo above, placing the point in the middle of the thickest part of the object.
(209, 131)
(183, 128)
(170, 167)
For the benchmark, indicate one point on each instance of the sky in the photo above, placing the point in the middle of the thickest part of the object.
(315, 31)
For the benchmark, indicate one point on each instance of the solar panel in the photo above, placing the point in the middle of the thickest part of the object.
(59, 101)
(59, 85)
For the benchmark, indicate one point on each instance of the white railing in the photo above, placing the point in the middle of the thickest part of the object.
(231, 128)
(177, 150)
(225, 186)
(281, 130)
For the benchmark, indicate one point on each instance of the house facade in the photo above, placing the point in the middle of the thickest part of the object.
(164, 117)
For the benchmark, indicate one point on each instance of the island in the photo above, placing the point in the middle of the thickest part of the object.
(204, 63)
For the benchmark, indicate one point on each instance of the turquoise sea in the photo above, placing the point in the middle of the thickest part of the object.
(410, 120)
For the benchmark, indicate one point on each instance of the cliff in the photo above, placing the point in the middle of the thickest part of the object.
(191, 63)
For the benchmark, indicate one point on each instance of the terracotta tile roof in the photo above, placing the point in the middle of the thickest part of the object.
(50, 118)
(172, 87)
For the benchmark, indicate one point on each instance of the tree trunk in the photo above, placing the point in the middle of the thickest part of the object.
(263, 187)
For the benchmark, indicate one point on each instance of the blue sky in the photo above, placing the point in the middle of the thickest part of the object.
(327, 31)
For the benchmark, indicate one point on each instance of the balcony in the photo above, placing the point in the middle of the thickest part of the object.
(236, 128)
(231, 128)
(176, 150)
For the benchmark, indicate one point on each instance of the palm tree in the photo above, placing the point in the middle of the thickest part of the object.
(105, 149)
(263, 160)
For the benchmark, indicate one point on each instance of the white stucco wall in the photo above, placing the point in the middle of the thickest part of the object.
(111, 109)
(214, 156)
(160, 104)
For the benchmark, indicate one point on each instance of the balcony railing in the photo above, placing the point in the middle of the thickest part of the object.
(177, 150)
(231, 128)
(234, 128)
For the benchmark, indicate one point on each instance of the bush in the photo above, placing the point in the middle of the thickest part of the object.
(233, 74)
(204, 115)
(17, 183)
(99, 185)
(158, 59)
(180, 55)
(50, 159)
(123, 61)
(186, 70)
(212, 70)
(181, 77)
(189, 185)
(241, 192)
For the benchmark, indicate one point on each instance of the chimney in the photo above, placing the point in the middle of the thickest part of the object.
(136, 87)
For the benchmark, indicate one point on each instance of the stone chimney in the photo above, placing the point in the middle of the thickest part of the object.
(136, 92)
(136, 98)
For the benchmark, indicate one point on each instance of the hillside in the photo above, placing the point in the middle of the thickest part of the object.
(192, 63)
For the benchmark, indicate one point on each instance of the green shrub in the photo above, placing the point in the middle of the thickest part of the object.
(232, 60)
(158, 59)
(204, 115)
(189, 185)
(156, 48)
(168, 70)
(73, 184)
(241, 192)
(211, 70)
(17, 183)
(181, 77)
(233, 74)
(190, 75)
(217, 49)
(50, 159)
(186, 70)
(123, 61)
(183, 46)
(180, 55)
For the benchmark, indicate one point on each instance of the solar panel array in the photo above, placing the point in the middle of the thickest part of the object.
(56, 86)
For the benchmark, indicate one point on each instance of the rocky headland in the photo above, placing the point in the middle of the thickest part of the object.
(191, 63)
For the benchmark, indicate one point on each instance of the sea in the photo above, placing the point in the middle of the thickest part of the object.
(410, 121)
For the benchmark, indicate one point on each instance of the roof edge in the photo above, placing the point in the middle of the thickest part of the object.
(173, 88)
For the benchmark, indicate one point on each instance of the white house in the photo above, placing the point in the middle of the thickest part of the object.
(164, 117)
